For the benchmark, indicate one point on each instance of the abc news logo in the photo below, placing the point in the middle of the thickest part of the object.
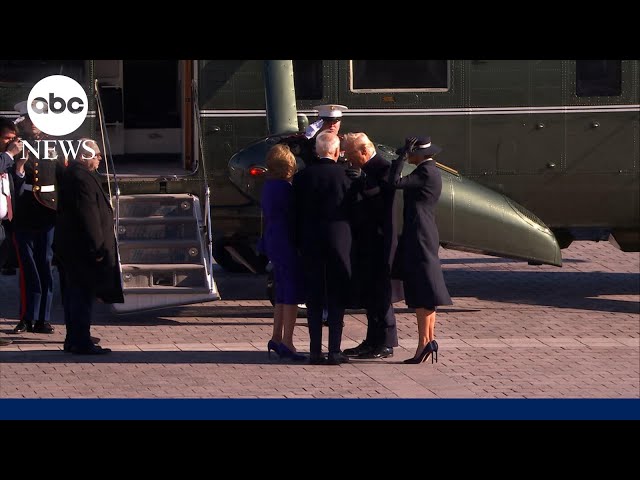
(41, 105)
(57, 105)
(66, 147)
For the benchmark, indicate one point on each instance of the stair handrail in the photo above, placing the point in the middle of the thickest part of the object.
(106, 149)
(207, 191)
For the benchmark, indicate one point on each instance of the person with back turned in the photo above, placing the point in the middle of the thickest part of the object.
(322, 193)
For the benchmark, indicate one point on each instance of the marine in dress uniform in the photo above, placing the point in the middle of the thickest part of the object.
(33, 223)
(303, 145)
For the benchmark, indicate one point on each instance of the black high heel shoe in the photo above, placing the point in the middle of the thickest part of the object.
(424, 354)
(285, 352)
(435, 350)
(271, 345)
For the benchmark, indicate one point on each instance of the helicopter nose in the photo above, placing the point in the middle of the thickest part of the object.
(247, 169)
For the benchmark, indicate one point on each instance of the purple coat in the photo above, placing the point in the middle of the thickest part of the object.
(277, 207)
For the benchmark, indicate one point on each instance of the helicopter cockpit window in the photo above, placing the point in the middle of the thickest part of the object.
(598, 78)
(399, 75)
(307, 78)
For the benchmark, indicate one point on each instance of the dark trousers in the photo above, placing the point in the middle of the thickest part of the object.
(35, 252)
(78, 308)
(381, 326)
(327, 283)
(5, 242)
(376, 297)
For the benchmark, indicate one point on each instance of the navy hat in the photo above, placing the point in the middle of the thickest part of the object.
(424, 146)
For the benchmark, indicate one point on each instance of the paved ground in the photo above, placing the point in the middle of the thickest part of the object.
(515, 330)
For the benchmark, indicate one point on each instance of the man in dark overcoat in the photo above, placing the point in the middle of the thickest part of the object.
(322, 196)
(372, 232)
(85, 245)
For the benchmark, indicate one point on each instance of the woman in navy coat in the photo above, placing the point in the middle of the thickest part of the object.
(417, 254)
(279, 246)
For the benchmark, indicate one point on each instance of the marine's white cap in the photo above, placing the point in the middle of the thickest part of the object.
(330, 111)
(21, 107)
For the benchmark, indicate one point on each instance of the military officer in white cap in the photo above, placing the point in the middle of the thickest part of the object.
(26, 128)
(329, 120)
(33, 224)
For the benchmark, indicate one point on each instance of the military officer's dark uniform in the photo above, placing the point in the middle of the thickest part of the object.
(33, 222)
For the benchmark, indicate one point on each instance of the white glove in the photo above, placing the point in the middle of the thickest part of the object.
(312, 129)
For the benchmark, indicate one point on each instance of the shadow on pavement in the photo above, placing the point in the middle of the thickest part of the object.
(574, 290)
(160, 357)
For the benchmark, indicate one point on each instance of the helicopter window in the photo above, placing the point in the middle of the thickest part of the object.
(598, 78)
(399, 75)
(307, 78)
(32, 71)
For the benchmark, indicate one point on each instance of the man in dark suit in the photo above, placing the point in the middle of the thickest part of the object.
(371, 255)
(85, 245)
(10, 148)
(303, 145)
(322, 201)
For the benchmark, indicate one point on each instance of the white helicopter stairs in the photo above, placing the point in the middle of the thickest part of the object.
(164, 255)
(164, 239)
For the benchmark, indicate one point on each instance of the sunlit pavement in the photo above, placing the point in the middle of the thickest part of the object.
(515, 330)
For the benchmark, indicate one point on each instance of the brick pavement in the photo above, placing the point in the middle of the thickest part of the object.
(515, 331)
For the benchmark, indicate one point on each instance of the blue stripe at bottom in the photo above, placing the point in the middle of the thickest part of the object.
(319, 409)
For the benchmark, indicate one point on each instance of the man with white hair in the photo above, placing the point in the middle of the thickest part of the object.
(323, 200)
(85, 245)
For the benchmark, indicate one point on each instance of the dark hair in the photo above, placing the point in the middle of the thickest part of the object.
(7, 124)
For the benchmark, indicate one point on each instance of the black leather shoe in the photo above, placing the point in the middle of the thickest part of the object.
(317, 359)
(23, 326)
(337, 358)
(67, 348)
(44, 327)
(92, 350)
(379, 352)
(361, 349)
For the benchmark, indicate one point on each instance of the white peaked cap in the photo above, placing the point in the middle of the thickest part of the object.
(21, 107)
(330, 111)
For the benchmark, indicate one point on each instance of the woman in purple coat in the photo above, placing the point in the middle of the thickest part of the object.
(279, 246)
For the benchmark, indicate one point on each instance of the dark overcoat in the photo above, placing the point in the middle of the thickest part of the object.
(420, 268)
(84, 233)
(373, 236)
(323, 198)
